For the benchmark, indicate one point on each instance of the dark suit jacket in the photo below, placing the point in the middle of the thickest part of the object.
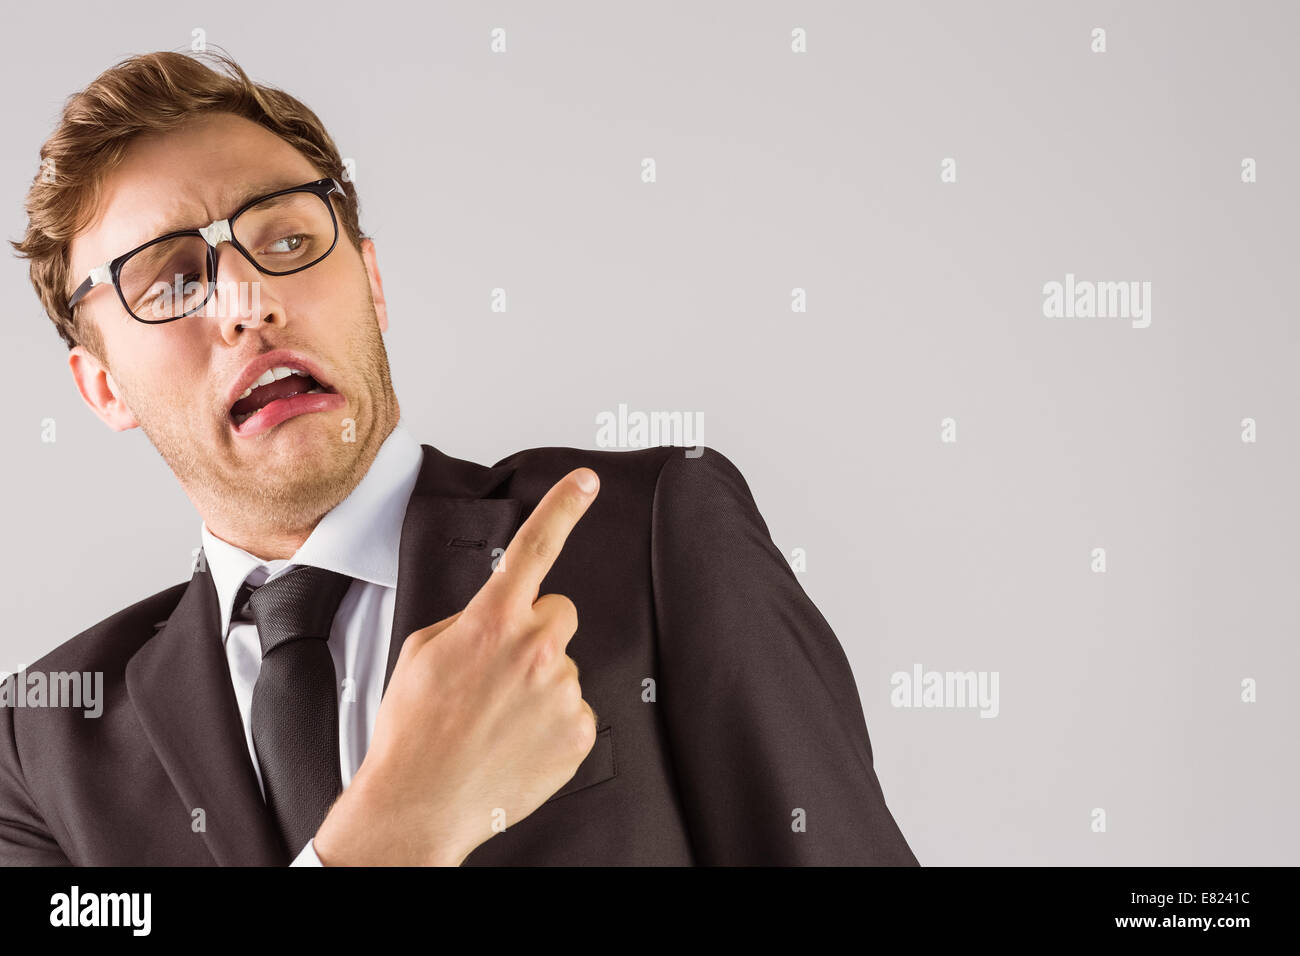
(725, 704)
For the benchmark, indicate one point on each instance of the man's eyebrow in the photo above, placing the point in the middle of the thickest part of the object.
(236, 197)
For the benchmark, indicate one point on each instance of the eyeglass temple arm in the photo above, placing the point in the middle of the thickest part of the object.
(98, 276)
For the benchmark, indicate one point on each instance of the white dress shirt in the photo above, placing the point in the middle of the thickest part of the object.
(360, 538)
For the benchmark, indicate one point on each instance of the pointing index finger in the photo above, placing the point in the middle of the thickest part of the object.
(531, 553)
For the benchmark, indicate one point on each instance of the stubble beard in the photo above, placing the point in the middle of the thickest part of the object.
(291, 500)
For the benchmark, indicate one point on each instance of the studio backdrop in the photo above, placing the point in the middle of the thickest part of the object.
(992, 304)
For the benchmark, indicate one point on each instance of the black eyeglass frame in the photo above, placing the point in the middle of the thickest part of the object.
(213, 234)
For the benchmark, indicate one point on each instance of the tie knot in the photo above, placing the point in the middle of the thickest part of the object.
(301, 603)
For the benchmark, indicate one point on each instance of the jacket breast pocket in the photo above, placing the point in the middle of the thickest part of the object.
(597, 767)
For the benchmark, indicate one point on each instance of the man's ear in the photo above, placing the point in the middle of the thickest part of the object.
(99, 391)
(376, 283)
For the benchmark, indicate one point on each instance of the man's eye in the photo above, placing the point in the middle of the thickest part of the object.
(287, 244)
(183, 286)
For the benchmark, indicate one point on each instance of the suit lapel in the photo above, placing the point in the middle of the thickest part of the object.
(180, 685)
(449, 536)
(179, 681)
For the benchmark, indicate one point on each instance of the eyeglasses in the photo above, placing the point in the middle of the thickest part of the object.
(174, 275)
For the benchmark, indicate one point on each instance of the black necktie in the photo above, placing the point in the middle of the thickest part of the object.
(295, 699)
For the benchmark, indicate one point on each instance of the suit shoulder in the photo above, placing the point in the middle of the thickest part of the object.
(623, 462)
(554, 458)
(706, 493)
(638, 472)
(113, 640)
(622, 473)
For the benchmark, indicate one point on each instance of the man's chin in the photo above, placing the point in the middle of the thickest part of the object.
(287, 488)
(296, 451)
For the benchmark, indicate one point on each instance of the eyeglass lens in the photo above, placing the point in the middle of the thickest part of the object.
(282, 234)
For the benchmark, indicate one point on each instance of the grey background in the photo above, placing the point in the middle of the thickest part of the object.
(821, 171)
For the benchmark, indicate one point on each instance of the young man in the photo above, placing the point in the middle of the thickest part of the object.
(377, 658)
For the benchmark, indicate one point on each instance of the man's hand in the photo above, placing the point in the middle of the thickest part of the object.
(483, 718)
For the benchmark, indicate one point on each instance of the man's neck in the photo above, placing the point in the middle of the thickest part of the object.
(266, 536)
(265, 546)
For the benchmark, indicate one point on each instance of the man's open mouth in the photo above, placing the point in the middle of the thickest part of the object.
(281, 382)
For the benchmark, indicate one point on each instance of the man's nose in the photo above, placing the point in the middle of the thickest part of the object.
(242, 299)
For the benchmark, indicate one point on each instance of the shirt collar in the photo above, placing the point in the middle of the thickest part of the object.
(359, 537)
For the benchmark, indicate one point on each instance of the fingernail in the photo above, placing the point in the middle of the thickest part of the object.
(587, 480)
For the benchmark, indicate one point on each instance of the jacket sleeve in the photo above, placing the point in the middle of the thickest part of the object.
(24, 839)
(767, 734)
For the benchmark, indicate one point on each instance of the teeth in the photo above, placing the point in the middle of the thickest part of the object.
(273, 375)
(269, 376)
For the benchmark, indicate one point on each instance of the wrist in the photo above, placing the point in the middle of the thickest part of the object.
(345, 837)
(367, 827)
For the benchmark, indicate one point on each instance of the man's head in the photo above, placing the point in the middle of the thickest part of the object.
(162, 143)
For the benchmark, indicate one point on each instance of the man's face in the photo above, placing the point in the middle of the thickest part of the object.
(178, 380)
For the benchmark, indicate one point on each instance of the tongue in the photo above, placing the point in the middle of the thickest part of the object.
(264, 395)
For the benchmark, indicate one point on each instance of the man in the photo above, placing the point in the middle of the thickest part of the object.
(386, 655)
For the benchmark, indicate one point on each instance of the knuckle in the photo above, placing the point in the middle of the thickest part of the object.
(584, 730)
(540, 655)
(572, 502)
(538, 545)
(570, 686)
(487, 625)
(575, 506)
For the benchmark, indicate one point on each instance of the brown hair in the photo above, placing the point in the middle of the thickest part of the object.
(152, 92)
